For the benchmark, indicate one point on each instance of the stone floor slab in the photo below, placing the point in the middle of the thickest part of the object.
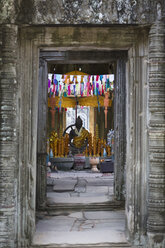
(76, 198)
(95, 190)
(87, 237)
(64, 185)
(81, 185)
(80, 189)
(104, 215)
(101, 181)
(75, 174)
(76, 228)
(55, 223)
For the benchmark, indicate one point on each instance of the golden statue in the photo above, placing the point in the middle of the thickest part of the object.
(55, 152)
(60, 132)
(62, 147)
(90, 144)
(59, 148)
(109, 151)
(94, 146)
(97, 132)
(53, 137)
(66, 151)
(99, 147)
(86, 151)
(102, 147)
(80, 136)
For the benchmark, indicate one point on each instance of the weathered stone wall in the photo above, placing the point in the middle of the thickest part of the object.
(136, 139)
(19, 67)
(42, 135)
(156, 131)
(79, 11)
(27, 72)
(120, 128)
(98, 38)
(8, 136)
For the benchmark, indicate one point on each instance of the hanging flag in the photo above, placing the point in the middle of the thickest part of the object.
(69, 92)
(71, 78)
(86, 85)
(101, 77)
(82, 88)
(91, 79)
(111, 78)
(88, 89)
(78, 78)
(74, 89)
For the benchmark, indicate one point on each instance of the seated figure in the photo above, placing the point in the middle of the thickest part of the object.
(79, 135)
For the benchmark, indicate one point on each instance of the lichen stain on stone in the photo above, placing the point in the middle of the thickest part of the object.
(63, 35)
(158, 238)
(102, 36)
(125, 10)
(26, 11)
(77, 34)
(7, 11)
(49, 11)
(130, 218)
(72, 10)
(78, 11)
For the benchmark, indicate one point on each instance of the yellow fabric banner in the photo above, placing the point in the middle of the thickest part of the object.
(70, 102)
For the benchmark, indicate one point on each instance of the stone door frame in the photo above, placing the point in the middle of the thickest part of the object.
(82, 57)
(110, 38)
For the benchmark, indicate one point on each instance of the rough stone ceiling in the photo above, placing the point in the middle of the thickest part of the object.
(79, 11)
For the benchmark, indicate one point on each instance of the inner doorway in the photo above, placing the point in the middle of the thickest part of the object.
(44, 75)
(116, 58)
(81, 95)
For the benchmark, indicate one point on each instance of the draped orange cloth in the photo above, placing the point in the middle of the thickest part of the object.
(79, 140)
(75, 74)
(106, 103)
(70, 102)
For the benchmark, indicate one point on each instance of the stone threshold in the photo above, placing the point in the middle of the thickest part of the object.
(69, 208)
(101, 245)
(72, 207)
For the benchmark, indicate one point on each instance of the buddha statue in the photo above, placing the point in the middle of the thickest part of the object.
(78, 137)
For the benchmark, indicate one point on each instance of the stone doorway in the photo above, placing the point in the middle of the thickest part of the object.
(114, 59)
(81, 212)
(112, 39)
(119, 63)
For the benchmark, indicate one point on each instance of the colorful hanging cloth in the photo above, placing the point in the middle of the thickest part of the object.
(79, 84)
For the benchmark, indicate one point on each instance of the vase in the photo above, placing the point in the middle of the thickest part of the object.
(51, 153)
(94, 161)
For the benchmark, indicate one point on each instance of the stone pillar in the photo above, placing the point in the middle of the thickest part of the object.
(137, 139)
(120, 127)
(42, 134)
(8, 138)
(156, 129)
